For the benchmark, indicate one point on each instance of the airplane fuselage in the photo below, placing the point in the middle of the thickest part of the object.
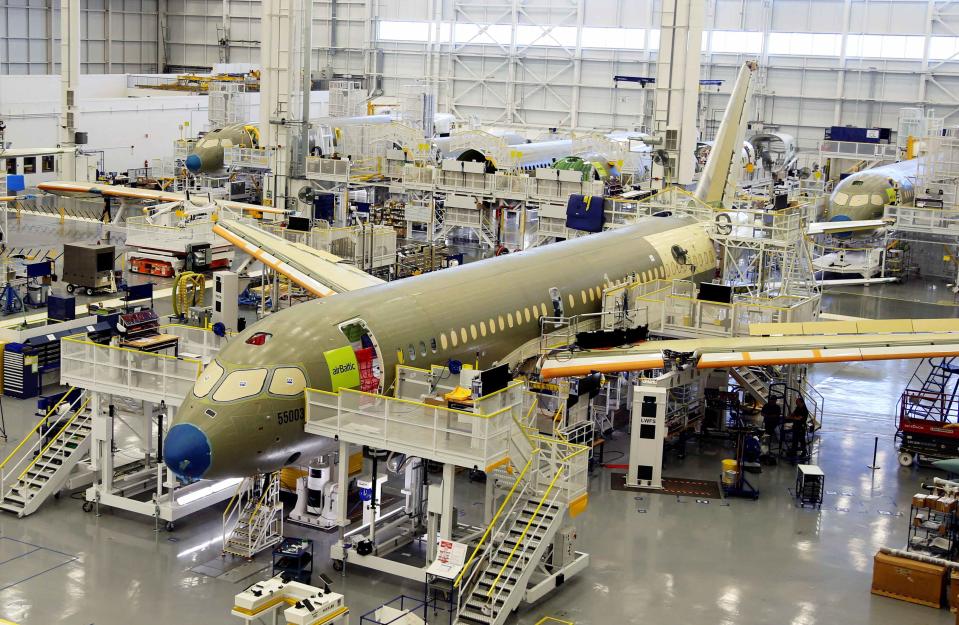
(246, 412)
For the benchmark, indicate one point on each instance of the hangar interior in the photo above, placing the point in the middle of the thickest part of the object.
(571, 312)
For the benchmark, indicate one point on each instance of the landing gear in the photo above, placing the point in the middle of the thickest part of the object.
(71, 289)
(87, 506)
(906, 458)
(169, 526)
(337, 565)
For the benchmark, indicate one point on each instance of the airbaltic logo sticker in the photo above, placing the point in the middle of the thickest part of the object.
(344, 372)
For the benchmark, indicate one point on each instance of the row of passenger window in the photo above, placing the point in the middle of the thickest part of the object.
(510, 320)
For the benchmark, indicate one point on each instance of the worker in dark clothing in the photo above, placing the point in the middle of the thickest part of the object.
(800, 423)
(772, 416)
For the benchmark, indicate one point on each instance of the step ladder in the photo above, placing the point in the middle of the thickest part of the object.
(32, 473)
(253, 520)
(753, 380)
(935, 397)
(502, 584)
(500, 571)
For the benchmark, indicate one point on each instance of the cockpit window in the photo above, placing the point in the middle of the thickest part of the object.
(840, 198)
(208, 379)
(857, 183)
(859, 200)
(259, 338)
(287, 381)
(240, 384)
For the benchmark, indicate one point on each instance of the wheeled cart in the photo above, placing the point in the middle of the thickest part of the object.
(88, 267)
(810, 483)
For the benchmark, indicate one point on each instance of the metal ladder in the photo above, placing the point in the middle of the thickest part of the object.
(253, 520)
(31, 474)
(934, 399)
(753, 380)
(502, 584)
(518, 540)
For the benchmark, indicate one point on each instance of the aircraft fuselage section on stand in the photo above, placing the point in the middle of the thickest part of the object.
(245, 414)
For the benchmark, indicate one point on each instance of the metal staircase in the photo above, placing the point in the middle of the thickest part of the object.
(513, 558)
(503, 582)
(253, 520)
(754, 381)
(32, 473)
(933, 397)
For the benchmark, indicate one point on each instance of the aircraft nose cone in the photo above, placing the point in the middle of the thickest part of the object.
(187, 451)
(193, 163)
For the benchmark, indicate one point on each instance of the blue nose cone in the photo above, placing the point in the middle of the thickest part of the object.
(193, 163)
(837, 219)
(187, 451)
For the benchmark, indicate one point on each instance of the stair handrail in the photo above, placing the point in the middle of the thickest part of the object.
(492, 523)
(259, 502)
(43, 420)
(233, 509)
(44, 448)
(80, 417)
(272, 489)
(541, 524)
(522, 536)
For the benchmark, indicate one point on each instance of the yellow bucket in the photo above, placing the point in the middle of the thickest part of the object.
(730, 471)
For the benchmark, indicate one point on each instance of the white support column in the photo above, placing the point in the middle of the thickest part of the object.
(677, 85)
(446, 520)
(69, 83)
(286, 50)
(647, 433)
(275, 48)
(343, 480)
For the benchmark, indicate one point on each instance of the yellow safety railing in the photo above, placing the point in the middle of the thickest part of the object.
(259, 503)
(522, 536)
(478, 415)
(549, 619)
(54, 439)
(27, 436)
(233, 499)
(492, 523)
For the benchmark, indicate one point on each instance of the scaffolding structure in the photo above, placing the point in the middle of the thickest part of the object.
(418, 107)
(347, 98)
(227, 104)
(763, 252)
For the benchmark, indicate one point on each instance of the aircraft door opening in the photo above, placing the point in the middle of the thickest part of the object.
(367, 352)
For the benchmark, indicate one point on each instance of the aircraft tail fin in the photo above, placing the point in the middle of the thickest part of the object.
(718, 180)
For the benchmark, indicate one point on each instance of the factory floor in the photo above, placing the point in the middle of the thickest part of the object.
(654, 558)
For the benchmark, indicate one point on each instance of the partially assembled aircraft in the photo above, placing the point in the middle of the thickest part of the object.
(245, 412)
(858, 201)
(207, 154)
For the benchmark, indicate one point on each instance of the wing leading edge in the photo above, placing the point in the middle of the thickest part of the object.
(88, 189)
(807, 348)
(321, 273)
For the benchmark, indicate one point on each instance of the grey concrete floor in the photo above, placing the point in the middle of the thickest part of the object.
(655, 560)
(659, 559)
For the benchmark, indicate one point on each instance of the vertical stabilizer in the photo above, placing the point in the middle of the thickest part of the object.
(718, 180)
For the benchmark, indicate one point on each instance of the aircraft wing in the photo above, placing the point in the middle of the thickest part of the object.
(90, 189)
(817, 342)
(321, 273)
(832, 227)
